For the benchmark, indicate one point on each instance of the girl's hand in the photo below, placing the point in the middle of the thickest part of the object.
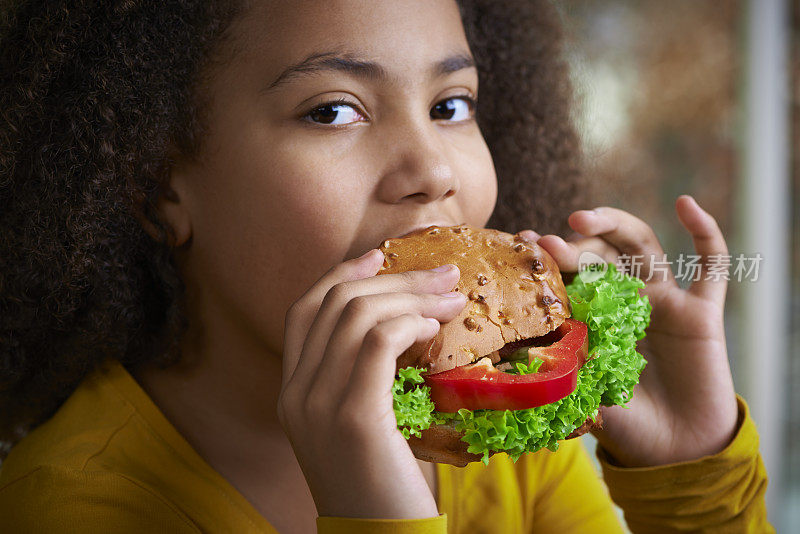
(684, 406)
(342, 339)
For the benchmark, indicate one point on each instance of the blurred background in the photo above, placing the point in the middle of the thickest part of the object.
(703, 97)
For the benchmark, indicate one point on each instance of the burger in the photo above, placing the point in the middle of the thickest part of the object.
(527, 362)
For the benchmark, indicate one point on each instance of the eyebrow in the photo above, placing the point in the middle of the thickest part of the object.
(359, 68)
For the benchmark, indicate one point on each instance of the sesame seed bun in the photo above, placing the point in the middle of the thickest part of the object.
(514, 287)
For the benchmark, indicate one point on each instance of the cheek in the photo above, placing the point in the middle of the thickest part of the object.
(478, 183)
(269, 221)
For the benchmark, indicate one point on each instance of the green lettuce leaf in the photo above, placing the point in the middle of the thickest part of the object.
(610, 304)
(524, 368)
(413, 406)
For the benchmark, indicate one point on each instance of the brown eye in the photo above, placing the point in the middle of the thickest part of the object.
(454, 109)
(335, 114)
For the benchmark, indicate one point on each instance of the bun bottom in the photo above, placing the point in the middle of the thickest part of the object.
(442, 444)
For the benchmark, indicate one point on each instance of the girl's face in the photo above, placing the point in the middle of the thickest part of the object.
(335, 124)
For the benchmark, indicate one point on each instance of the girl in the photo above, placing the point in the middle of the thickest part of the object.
(193, 337)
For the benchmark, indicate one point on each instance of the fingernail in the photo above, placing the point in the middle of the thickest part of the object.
(432, 321)
(367, 253)
(452, 295)
(443, 268)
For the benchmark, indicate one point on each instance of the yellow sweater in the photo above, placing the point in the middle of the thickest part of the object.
(109, 461)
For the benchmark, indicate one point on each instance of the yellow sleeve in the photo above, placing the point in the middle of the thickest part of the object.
(59, 499)
(565, 493)
(347, 525)
(719, 493)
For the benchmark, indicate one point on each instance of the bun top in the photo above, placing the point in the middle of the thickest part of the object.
(514, 288)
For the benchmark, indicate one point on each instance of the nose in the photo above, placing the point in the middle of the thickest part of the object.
(418, 167)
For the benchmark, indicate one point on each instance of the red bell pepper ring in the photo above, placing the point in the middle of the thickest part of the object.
(480, 385)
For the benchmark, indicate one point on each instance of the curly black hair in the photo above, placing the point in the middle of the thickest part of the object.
(95, 96)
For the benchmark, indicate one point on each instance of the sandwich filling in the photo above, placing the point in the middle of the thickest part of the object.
(615, 315)
(542, 371)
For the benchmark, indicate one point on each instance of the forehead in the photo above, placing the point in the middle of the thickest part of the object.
(404, 36)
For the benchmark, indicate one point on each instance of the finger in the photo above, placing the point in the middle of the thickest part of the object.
(529, 235)
(428, 281)
(631, 236)
(362, 314)
(301, 314)
(569, 255)
(710, 244)
(374, 369)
